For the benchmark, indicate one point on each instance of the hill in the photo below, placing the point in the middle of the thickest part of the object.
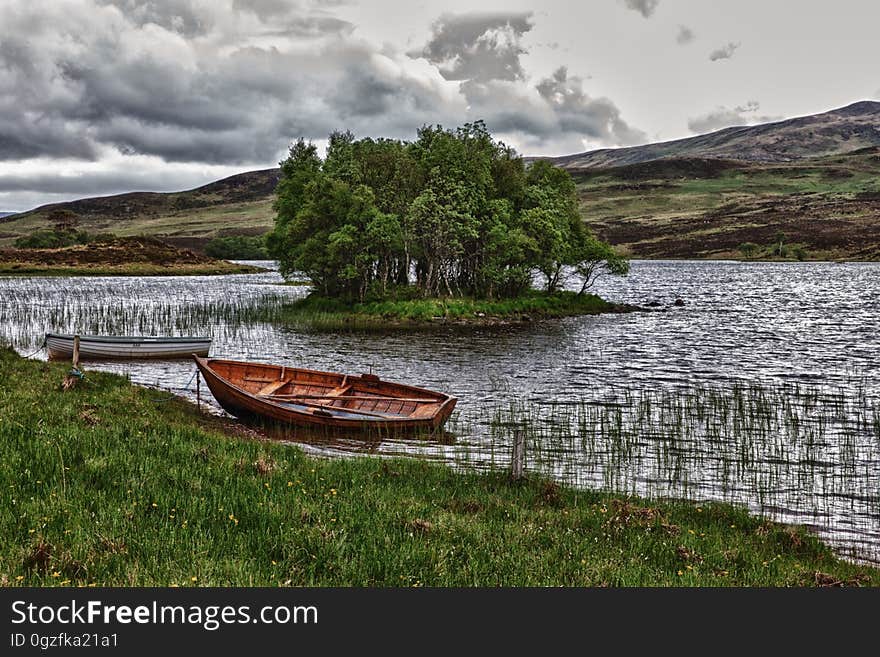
(237, 205)
(814, 179)
(822, 208)
(830, 133)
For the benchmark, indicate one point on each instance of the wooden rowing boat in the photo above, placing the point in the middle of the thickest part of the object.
(322, 399)
(98, 347)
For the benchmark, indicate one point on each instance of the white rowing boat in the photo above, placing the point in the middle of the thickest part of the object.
(98, 347)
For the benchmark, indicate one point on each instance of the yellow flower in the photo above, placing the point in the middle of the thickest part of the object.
(19, 578)
(681, 572)
(193, 578)
(154, 505)
(56, 574)
(289, 484)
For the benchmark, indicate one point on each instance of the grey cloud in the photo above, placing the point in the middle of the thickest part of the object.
(685, 35)
(79, 84)
(724, 117)
(724, 52)
(577, 112)
(561, 112)
(265, 8)
(101, 182)
(182, 16)
(645, 7)
(478, 46)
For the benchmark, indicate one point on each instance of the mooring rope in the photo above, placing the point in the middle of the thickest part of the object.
(39, 349)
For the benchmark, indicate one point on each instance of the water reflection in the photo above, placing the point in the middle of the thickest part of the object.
(762, 328)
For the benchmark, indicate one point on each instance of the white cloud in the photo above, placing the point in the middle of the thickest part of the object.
(724, 117)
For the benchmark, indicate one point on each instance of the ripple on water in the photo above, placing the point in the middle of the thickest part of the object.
(595, 385)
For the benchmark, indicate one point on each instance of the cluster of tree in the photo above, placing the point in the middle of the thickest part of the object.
(63, 233)
(238, 247)
(454, 213)
(778, 249)
(52, 239)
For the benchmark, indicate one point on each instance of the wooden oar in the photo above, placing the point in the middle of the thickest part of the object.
(362, 397)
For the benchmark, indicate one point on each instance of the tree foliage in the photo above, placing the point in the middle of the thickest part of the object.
(453, 213)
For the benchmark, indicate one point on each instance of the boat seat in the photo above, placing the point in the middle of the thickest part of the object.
(271, 387)
(424, 410)
(339, 390)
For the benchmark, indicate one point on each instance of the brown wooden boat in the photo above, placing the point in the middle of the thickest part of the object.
(312, 398)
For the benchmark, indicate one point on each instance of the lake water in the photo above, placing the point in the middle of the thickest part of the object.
(761, 389)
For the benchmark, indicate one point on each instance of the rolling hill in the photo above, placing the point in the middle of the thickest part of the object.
(813, 182)
(832, 133)
(237, 205)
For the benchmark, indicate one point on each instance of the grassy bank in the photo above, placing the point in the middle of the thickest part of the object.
(113, 484)
(321, 312)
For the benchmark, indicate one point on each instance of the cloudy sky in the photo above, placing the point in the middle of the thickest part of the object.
(105, 96)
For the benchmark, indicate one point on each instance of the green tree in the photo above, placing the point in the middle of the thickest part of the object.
(300, 168)
(749, 249)
(455, 209)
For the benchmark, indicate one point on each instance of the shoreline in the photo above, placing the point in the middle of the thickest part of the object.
(131, 269)
(321, 312)
(195, 500)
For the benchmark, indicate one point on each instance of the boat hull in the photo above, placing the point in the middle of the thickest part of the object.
(433, 411)
(60, 347)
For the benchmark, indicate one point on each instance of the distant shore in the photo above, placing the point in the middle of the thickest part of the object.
(135, 256)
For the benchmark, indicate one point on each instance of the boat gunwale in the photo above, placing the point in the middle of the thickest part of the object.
(341, 422)
(129, 339)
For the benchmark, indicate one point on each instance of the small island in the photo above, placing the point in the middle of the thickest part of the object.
(453, 226)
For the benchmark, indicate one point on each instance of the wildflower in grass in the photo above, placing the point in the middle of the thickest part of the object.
(55, 573)
(19, 578)
(194, 578)
(154, 505)
(681, 572)
(233, 518)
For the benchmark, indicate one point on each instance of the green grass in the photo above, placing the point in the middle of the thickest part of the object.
(322, 312)
(111, 484)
